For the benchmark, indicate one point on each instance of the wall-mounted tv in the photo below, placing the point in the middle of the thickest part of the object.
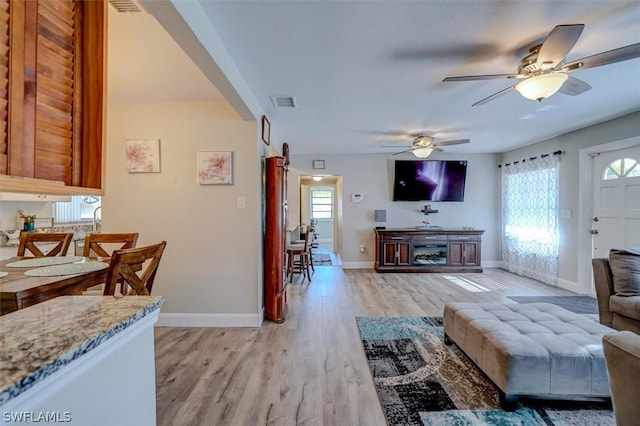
(429, 180)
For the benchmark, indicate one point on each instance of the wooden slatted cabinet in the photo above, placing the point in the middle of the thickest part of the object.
(52, 81)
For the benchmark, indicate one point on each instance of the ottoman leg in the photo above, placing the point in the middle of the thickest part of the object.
(447, 340)
(508, 402)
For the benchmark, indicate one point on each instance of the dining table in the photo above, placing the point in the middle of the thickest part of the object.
(19, 288)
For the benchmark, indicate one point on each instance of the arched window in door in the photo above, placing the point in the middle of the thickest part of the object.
(622, 167)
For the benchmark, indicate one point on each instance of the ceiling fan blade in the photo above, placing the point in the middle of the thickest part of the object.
(494, 96)
(454, 142)
(483, 77)
(396, 146)
(574, 86)
(396, 133)
(557, 45)
(604, 58)
(402, 152)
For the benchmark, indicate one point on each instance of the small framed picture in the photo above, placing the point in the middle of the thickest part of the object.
(266, 130)
(143, 155)
(215, 167)
(318, 164)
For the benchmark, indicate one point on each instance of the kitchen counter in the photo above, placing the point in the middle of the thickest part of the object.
(79, 229)
(82, 345)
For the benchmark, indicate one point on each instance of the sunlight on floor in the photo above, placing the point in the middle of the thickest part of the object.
(482, 284)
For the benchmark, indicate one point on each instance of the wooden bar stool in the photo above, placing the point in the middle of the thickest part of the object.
(299, 258)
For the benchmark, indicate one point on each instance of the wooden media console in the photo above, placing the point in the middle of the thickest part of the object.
(428, 250)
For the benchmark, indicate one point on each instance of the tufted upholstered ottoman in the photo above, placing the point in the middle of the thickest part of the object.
(535, 349)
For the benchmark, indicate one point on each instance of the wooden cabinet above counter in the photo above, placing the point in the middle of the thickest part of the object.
(52, 96)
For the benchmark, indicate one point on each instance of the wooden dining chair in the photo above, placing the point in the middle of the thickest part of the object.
(28, 242)
(102, 245)
(136, 267)
(97, 244)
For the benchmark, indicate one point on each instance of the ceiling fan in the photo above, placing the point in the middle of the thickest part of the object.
(423, 145)
(544, 71)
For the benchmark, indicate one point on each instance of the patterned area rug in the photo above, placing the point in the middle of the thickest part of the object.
(577, 304)
(321, 259)
(421, 381)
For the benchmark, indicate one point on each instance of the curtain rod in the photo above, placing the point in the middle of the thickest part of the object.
(559, 152)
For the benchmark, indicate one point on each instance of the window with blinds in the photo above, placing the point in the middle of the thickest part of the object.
(80, 208)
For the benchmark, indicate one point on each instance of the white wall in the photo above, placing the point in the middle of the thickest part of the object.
(211, 272)
(571, 144)
(372, 175)
(9, 210)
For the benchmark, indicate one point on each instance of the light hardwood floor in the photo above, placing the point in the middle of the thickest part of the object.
(311, 369)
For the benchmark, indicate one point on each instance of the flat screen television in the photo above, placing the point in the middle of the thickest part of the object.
(429, 180)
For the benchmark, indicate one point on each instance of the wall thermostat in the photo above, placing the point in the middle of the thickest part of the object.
(357, 198)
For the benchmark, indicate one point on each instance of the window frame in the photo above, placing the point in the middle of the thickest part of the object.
(331, 204)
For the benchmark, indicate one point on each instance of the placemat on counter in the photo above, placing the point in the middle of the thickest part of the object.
(67, 269)
(3, 274)
(43, 261)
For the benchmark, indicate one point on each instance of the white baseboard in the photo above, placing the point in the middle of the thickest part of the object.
(493, 264)
(210, 320)
(357, 265)
(568, 285)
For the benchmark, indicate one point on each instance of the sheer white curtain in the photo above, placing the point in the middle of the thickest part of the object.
(530, 218)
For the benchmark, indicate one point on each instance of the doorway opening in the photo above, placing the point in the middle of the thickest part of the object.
(320, 206)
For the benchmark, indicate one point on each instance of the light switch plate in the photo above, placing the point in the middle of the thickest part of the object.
(241, 202)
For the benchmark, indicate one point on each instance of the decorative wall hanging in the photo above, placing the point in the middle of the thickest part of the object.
(318, 164)
(215, 167)
(143, 155)
(266, 130)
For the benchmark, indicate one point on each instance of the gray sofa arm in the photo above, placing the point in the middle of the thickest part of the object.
(603, 281)
(622, 357)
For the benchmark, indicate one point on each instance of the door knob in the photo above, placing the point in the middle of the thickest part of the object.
(595, 219)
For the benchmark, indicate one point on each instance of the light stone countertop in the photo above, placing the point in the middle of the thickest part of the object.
(41, 339)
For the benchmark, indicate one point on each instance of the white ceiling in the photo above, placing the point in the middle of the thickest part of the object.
(363, 71)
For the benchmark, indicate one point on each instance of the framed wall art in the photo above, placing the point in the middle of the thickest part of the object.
(215, 167)
(266, 130)
(318, 164)
(143, 155)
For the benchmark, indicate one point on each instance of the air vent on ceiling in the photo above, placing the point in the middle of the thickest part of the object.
(283, 101)
(125, 6)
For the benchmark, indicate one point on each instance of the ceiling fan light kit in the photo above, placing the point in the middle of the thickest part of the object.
(541, 86)
(544, 69)
(422, 152)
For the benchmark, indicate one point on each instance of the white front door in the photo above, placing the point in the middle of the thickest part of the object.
(616, 201)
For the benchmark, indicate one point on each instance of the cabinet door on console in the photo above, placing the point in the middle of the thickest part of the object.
(397, 253)
(463, 253)
(388, 253)
(404, 254)
(456, 253)
(471, 253)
